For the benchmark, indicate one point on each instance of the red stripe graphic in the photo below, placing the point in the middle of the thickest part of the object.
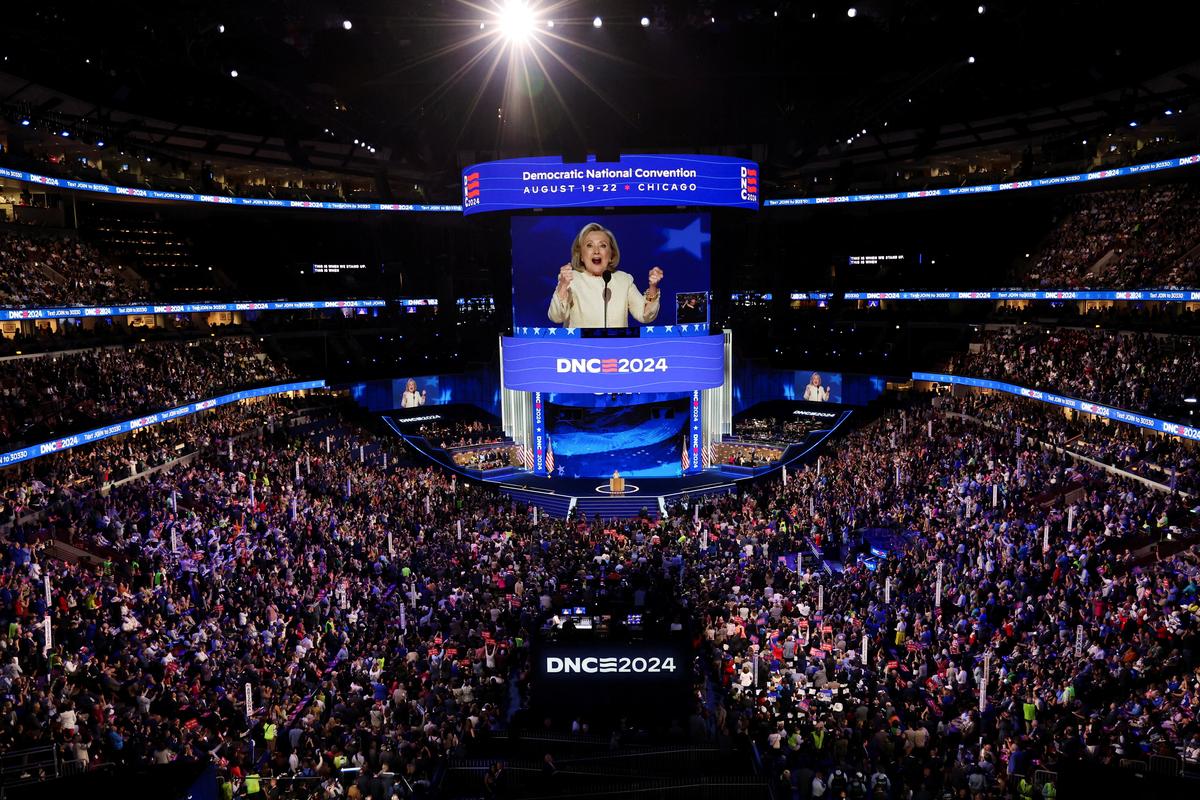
(473, 176)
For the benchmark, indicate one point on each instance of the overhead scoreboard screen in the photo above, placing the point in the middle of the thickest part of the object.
(634, 180)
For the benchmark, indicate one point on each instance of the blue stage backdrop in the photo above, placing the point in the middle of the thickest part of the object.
(641, 436)
(676, 243)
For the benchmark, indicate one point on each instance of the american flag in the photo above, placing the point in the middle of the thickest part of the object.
(549, 456)
(684, 460)
(706, 455)
(527, 456)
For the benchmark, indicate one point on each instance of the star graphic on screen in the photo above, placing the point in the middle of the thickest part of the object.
(690, 239)
(537, 331)
(649, 329)
(562, 471)
(668, 328)
(570, 331)
(552, 331)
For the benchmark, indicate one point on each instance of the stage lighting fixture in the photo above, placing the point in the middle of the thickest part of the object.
(220, 29)
(549, 23)
(25, 123)
(981, 9)
(66, 134)
(347, 24)
(597, 22)
(971, 60)
(516, 21)
(99, 143)
(1189, 399)
(852, 12)
(645, 22)
(233, 73)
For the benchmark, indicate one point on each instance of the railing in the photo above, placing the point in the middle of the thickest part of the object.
(28, 765)
(1166, 765)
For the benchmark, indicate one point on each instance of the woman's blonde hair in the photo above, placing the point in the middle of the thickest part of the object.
(577, 247)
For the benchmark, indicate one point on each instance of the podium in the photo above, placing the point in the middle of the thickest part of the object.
(616, 484)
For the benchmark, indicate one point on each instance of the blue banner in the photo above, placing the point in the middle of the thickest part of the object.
(186, 197)
(1096, 409)
(638, 180)
(1156, 295)
(988, 188)
(695, 463)
(613, 365)
(87, 437)
(539, 434)
(72, 312)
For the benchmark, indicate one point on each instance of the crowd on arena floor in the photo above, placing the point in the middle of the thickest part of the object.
(1018, 580)
(62, 393)
(1133, 371)
(1143, 235)
(50, 271)
(376, 636)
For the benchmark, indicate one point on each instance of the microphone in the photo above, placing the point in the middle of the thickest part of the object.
(607, 295)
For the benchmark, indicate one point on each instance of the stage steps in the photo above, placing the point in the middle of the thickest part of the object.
(553, 505)
(617, 507)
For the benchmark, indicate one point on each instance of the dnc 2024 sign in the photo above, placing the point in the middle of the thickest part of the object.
(641, 180)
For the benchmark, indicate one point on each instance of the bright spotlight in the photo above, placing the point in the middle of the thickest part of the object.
(516, 21)
(981, 9)
(549, 23)
(971, 60)
(220, 29)
(347, 24)
(852, 12)
(597, 22)
(645, 22)
(233, 73)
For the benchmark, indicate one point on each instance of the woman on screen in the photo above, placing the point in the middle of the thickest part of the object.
(411, 397)
(593, 293)
(815, 392)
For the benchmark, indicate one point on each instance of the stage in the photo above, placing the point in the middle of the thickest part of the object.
(558, 495)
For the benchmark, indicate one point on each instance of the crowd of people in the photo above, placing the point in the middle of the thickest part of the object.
(1123, 239)
(381, 614)
(486, 458)
(51, 271)
(1140, 372)
(1167, 460)
(31, 487)
(746, 455)
(771, 429)
(460, 433)
(66, 392)
(1057, 554)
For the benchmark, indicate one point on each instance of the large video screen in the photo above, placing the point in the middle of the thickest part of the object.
(593, 435)
(617, 271)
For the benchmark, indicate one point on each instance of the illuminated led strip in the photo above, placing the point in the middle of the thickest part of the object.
(1159, 295)
(990, 188)
(87, 437)
(72, 312)
(186, 197)
(1108, 412)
